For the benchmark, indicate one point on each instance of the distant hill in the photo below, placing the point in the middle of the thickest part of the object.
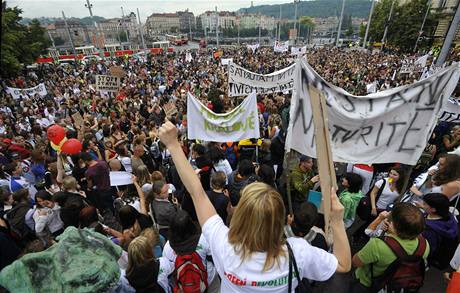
(51, 20)
(317, 8)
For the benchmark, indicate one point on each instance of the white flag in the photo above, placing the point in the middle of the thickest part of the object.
(241, 123)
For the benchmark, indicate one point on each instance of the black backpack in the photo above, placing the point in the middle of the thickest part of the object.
(406, 272)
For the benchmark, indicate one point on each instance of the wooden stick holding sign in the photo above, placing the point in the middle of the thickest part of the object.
(324, 155)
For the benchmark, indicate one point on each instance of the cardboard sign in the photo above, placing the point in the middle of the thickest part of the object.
(107, 83)
(117, 71)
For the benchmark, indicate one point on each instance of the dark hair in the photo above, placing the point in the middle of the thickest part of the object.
(128, 216)
(266, 174)
(402, 178)
(21, 195)
(245, 168)
(86, 157)
(305, 218)
(43, 194)
(440, 202)
(355, 182)
(215, 154)
(199, 149)
(408, 220)
(181, 227)
(10, 168)
(88, 215)
(121, 150)
(450, 171)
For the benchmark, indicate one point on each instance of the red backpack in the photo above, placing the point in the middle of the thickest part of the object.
(406, 272)
(190, 275)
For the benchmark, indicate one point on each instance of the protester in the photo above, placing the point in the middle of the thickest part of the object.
(392, 189)
(302, 181)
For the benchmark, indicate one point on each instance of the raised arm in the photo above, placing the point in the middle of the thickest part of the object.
(204, 208)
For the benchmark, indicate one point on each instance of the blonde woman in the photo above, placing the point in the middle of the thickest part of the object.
(252, 255)
(145, 273)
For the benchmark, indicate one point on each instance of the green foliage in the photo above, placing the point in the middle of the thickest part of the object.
(362, 30)
(244, 33)
(404, 26)
(317, 8)
(20, 44)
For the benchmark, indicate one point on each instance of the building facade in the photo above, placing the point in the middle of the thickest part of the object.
(448, 8)
(186, 21)
(163, 23)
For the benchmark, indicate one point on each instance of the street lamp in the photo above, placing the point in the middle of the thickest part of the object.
(296, 2)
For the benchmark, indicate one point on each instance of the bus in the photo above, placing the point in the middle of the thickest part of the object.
(160, 47)
(178, 40)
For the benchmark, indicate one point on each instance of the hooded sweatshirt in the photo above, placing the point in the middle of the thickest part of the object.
(437, 230)
(350, 202)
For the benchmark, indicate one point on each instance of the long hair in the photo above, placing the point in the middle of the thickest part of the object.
(449, 172)
(143, 175)
(257, 224)
(139, 252)
(402, 178)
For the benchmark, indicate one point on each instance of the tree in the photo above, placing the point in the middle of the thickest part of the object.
(404, 26)
(19, 44)
(308, 23)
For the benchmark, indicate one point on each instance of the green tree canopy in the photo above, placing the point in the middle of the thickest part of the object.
(20, 44)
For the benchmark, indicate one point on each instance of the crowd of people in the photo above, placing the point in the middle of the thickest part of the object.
(191, 215)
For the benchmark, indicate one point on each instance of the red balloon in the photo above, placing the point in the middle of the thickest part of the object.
(56, 133)
(71, 147)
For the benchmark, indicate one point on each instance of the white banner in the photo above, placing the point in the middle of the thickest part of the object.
(241, 123)
(107, 83)
(17, 93)
(385, 127)
(226, 61)
(253, 47)
(242, 82)
(188, 57)
(450, 112)
(298, 50)
(281, 47)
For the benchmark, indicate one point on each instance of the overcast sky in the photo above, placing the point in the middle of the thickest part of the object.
(110, 8)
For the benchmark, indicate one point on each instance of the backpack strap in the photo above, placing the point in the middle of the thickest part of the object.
(399, 251)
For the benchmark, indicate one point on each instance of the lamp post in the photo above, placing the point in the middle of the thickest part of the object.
(296, 2)
(340, 24)
(368, 23)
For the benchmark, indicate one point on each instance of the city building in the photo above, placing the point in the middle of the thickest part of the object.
(79, 32)
(186, 21)
(118, 30)
(249, 21)
(163, 23)
(224, 19)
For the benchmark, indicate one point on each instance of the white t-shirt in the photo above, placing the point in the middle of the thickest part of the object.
(313, 263)
(387, 197)
(202, 249)
(166, 269)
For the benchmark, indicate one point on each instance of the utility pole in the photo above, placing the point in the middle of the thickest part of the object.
(141, 31)
(423, 24)
(279, 26)
(449, 37)
(260, 27)
(388, 23)
(238, 23)
(295, 20)
(98, 42)
(70, 37)
(217, 28)
(368, 23)
(123, 25)
(340, 24)
(52, 39)
(189, 28)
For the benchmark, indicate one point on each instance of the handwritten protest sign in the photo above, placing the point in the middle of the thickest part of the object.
(281, 47)
(450, 112)
(170, 109)
(107, 83)
(295, 51)
(17, 93)
(78, 119)
(242, 82)
(226, 61)
(388, 126)
(240, 123)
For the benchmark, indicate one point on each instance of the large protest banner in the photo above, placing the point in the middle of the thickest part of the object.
(108, 83)
(450, 112)
(241, 123)
(388, 126)
(17, 93)
(242, 82)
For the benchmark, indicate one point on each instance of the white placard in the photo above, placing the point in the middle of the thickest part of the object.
(450, 112)
(242, 82)
(281, 47)
(295, 51)
(108, 83)
(226, 61)
(385, 127)
(238, 124)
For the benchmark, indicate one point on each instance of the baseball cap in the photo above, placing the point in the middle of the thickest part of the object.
(438, 201)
